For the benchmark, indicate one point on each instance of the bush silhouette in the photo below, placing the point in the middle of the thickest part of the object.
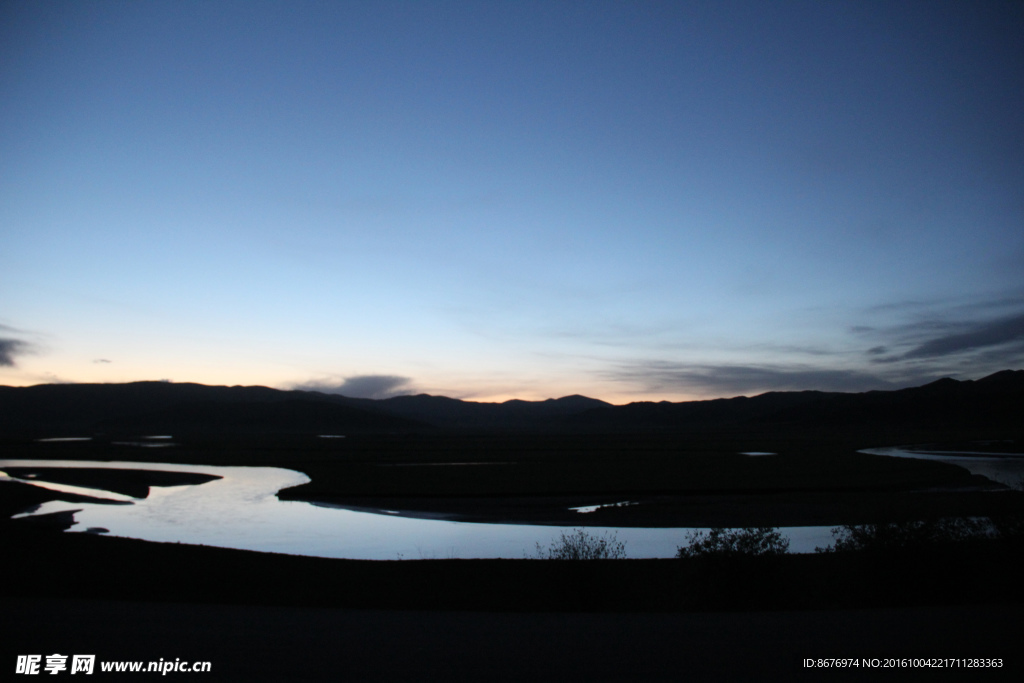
(745, 542)
(579, 545)
(904, 535)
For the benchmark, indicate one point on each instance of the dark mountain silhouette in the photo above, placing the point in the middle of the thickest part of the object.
(165, 407)
(996, 401)
(55, 410)
(288, 416)
(515, 414)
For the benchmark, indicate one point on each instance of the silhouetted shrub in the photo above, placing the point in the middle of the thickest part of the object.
(904, 535)
(745, 542)
(1009, 528)
(579, 545)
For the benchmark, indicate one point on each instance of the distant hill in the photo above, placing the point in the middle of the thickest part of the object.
(289, 416)
(54, 410)
(164, 407)
(996, 401)
(514, 414)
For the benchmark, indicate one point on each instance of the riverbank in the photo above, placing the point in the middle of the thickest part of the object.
(64, 565)
(266, 617)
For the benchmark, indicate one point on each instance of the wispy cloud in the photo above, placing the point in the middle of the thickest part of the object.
(965, 338)
(1009, 331)
(896, 345)
(362, 386)
(956, 342)
(1003, 302)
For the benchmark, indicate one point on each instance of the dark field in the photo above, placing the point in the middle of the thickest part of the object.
(679, 481)
(256, 643)
(657, 619)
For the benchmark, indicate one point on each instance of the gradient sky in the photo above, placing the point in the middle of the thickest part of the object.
(487, 200)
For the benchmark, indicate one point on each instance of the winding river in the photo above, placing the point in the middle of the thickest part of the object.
(240, 509)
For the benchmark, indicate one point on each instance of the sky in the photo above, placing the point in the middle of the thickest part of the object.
(494, 200)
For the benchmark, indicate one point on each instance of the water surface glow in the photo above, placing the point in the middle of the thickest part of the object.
(1001, 468)
(241, 510)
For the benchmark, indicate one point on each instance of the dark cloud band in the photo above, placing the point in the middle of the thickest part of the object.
(11, 348)
(984, 335)
(733, 380)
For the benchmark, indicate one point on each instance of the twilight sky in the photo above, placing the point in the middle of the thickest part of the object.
(487, 200)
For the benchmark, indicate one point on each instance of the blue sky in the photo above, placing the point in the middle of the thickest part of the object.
(487, 200)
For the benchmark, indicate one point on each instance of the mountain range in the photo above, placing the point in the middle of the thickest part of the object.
(137, 408)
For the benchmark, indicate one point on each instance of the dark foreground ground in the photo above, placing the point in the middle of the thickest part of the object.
(249, 643)
(283, 618)
(259, 617)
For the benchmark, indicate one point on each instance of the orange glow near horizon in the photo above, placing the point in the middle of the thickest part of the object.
(16, 379)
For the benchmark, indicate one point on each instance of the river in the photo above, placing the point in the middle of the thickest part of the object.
(1002, 468)
(240, 509)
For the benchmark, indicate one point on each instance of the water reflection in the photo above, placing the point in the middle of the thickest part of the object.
(241, 510)
(1002, 468)
(584, 509)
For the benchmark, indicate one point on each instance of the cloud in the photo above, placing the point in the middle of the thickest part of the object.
(102, 361)
(362, 386)
(10, 348)
(919, 343)
(719, 380)
(967, 337)
(983, 335)
(1009, 300)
